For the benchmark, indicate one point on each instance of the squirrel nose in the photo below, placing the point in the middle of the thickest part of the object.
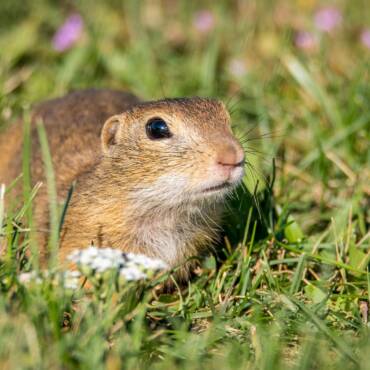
(231, 156)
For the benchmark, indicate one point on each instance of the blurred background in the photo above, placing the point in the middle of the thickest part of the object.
(295, 77)
(174, 47)
(296, 73)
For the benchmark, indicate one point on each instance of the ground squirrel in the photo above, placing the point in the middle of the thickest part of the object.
(150, 177)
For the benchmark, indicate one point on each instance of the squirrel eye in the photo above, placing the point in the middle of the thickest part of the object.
(157, 128)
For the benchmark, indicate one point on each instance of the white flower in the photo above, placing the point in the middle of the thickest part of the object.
(130, 266)
(68, 279)
(145, 262)
(73, 274)
(102, 264)
(132, 274)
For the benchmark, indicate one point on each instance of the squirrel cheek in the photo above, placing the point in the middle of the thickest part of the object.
(169, 185)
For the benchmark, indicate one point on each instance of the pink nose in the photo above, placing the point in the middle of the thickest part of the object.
(230, 156)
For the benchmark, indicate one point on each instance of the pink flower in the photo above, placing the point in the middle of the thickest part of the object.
(365, 38)
(305, 40)
(68, 33)
(204, 21)
(328, 18)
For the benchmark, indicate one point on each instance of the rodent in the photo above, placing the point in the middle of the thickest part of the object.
(150, 177)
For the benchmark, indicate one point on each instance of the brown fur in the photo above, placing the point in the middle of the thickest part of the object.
(131, 192)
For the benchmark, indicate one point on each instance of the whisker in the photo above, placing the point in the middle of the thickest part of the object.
(245, 189)
(245, 134)
(250, 149)
(258, 206)
(228, 102)
(235, 193)
(244, 138)
(251, 171)
(257, 173)
(259, 156)
(267, 135)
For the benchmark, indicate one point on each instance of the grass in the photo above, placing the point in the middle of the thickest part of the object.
(289, 285)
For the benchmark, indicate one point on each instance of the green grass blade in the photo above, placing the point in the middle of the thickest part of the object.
(298, 275)
(27, 187)
(65, 207)
(311, 87)
(368, 285)
(52, 195)
(13, 184)
(2, 205)
(338, 138)
(341, 346)
(322, 259)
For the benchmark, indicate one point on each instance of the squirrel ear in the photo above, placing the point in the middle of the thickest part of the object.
(109, 134)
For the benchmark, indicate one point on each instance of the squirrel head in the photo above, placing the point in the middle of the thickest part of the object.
(173, 151)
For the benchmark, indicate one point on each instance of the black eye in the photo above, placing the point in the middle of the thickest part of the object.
(156, 128)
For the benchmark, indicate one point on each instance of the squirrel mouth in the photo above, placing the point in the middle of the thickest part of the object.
(221, 186)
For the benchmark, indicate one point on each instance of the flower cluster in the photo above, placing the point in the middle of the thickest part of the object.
(129, 266)
(98, 263)
(326, 20)
(66, 279)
